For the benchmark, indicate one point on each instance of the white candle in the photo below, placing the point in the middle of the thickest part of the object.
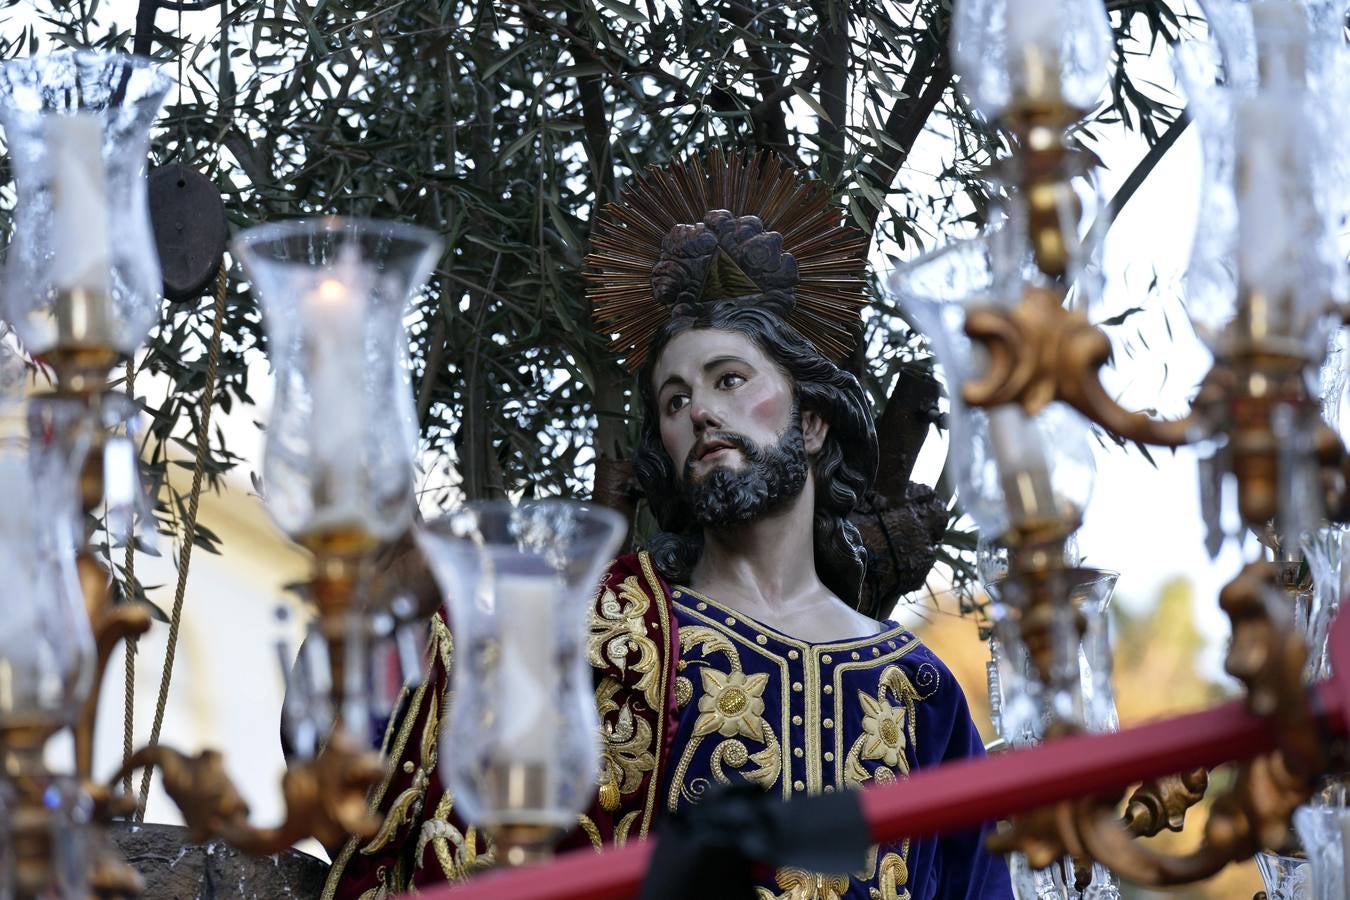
(1282, 38)
(1034, 29)
(530, 679)
(81, 247)
(1273, 200)
(1033, 23)
(1274, 195)
(1023, 468)
(333, 317)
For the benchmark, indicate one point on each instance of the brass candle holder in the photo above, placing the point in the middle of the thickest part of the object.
(1037, 352)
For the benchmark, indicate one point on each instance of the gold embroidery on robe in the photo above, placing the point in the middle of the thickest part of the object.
(592, 832)
(441, 647)
(663, 635)
(892, 876)
(888, 728)
(408, 805)
(627, 750)
(797, 884)
(732, 706)
(684, 691)
(625, 825)
(617, 629)
(441, 835)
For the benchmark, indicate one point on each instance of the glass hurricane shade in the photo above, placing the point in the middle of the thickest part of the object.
(1267, 266)
(343, 430)
(82, 272)
(1018, 53)
(521, 745)
(46, 646)
(1017, 472)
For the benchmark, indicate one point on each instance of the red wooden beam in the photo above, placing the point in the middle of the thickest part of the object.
(967, 793)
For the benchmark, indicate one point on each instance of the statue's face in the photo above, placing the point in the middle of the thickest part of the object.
(716, 390)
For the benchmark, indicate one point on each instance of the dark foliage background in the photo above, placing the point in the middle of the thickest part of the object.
(504, 125)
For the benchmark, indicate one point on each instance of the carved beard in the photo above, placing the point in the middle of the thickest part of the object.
(771, 477)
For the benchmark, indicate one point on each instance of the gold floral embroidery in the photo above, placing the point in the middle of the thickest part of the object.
(797, 884)
(734, 754)
(592, 832)
(709, 641)
(684, 691)
(884, 726)
(441, 834)
(441, 647)
(892, 876)
(625, 825)
(627, 751)
(407, 806)
(618, 629)
(732, 704)
(883, 719)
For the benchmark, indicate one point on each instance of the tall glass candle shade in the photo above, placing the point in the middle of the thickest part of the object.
(343, 431)
(1266, 270)
(1031, 53)
(82, 279)
(521, 748)
(1023, 476)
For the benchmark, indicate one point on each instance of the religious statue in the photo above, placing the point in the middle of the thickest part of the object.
(730, 650)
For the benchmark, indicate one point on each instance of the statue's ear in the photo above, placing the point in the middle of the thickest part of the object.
(814, 429)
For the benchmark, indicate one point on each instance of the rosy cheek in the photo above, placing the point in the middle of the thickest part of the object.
(771, 409)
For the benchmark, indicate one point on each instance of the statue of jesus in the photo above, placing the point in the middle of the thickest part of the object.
(729, 651)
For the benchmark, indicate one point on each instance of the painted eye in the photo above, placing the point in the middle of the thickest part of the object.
(676, 403)
(730, 380)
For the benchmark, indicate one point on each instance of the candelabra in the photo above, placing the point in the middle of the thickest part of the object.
(82, 291)
(1008, 315)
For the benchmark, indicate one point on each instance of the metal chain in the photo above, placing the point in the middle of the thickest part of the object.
(189, 528)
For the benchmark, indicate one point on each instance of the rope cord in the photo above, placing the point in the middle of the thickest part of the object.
(189, 529)
(128, 583)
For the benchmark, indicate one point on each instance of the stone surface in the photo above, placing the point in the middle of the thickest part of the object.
(176, 870)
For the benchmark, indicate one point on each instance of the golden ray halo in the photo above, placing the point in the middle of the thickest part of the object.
(626, 246)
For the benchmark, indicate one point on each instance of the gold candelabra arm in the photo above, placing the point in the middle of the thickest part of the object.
(325, 797)
(1040, 352)
(1162, 802)
(1253, 815)
(111, 624)
(1267, 655)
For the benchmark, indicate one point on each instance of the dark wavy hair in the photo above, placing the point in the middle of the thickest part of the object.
(843, 469)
